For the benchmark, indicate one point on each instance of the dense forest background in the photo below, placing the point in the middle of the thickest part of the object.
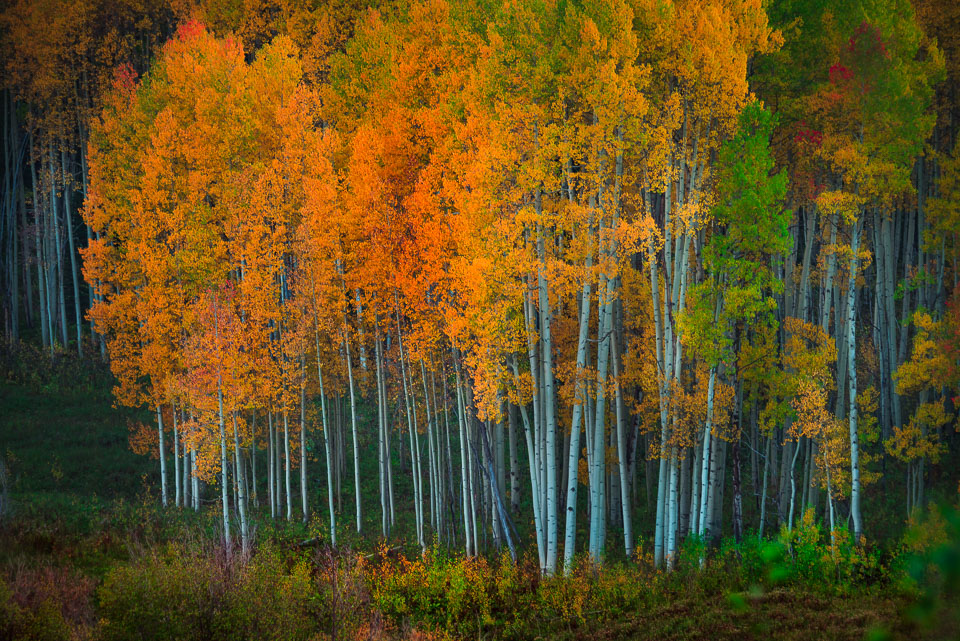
(638, 283)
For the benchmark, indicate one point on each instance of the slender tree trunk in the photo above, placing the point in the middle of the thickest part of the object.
(176, 459)
(39, 245)
(622, 456)
(353, 423)
(253, 459)
(852, 377)
(550, 423)
(163, 458)
(271, 463)
(304, 497)
(569, 546)
(224, 484)
(241, 491)
(286, 465)
(67, 189)
(514, 461)
(705, 460)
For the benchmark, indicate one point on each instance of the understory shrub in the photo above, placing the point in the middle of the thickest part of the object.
(185, 593)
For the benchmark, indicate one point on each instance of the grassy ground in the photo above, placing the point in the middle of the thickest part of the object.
(70, 442)
(82, 507)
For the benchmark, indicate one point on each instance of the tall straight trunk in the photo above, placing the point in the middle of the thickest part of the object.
(683, 511)
(67, 188)
(890, 311)
(353, 423)
(286, 465)
(852, 377)
(253, 459)
(705, 459)
(271, 462)
(50, 277)
(185, 464)
(432, 453)
(326, 445)
(278, 467)
(176, 459)
(195, 480)
(414, 444)
(622, 455)
(718, 477)
(514, 461)
(763, 491)
(737, 495)
(569, 545)
(598, 477)
(382, 450)
(39, 244)
(27, 288)
(58, 247)
(241, 490)
(534, 481)
(224, 484)
(469, 544)
(536, 375)
(550, 422)
(658, 546)
(473, 462)
(163, 458)
(696, 471)
(912, 222)
(304, 498)
(670, 550)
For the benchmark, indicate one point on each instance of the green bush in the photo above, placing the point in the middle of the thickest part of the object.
(42, 622)
(180, 593)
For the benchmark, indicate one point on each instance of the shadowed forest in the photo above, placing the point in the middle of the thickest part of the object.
(443, 319)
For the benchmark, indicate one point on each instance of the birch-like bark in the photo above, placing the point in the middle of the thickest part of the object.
(326, 447)
(176, 459)
(224, 483)
(469, 543)
(38, 242)
(304, 499)
(271, 462)
(241, 490)
(622, 456)
(514, 461)
(381, 440)
(534, 482)
(163, 458)
(705, 457)
(414, 445)
(353, 423)
(550, 422)
(852, 377)
(598, 478)
(58, 247)
(286, 464)
(67, 190)
(569, 545)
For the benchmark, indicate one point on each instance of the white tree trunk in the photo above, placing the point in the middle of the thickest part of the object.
(852, 377)
(163, 458)
(241, 491)
(353, 423)
(286, 465)
(304, 498)
(224, 482)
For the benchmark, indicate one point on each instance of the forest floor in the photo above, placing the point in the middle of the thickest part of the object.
(81, 534)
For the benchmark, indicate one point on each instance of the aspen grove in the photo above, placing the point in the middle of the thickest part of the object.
(581, 276)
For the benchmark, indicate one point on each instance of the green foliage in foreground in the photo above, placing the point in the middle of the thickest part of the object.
(80, 559)
(154, 580)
